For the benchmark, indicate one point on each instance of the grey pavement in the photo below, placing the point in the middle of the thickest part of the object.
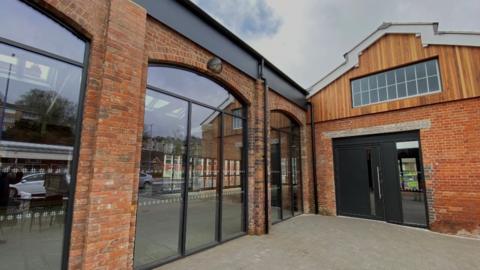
(320, 242)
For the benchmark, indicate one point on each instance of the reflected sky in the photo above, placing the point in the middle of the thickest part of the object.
(21, 23)
(32, 71)
(190, 85)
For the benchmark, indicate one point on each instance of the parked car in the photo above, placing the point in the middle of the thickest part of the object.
(145, 180)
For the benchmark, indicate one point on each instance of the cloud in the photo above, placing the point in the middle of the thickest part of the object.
(313, 35)
(250, 19)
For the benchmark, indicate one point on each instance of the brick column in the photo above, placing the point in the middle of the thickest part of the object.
(115, 172)
(256, 175)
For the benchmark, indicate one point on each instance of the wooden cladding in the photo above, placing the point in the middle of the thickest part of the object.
(459, 71)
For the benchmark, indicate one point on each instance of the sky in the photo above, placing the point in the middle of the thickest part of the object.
(306, 39)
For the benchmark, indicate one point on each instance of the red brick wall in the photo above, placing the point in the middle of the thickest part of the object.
(123, 40)
(451, 159)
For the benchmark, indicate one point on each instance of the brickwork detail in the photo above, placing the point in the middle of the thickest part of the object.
(450, 160)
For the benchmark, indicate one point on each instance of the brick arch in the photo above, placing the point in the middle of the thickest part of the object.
(291, 116)
(165, 46)
(280, 104)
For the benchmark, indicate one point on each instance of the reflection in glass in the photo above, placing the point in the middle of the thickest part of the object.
(275, 176)
(206, 161)
(38, 112)
(232, 207)
(41, 97)
(161, 179)
(202, 200)
(296, 174)
(411, 183)
(286, 175)
(192, 86)
(22, 23)
(285, 167)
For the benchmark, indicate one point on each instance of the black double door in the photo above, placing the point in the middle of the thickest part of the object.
(380, 177)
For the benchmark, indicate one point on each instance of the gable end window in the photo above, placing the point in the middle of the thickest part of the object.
(413, 80)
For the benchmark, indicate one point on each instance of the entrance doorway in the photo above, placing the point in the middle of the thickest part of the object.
(380, 177)
(285, 175)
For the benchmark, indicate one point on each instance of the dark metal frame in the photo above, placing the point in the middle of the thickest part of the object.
(373, 140)
(67, 231)
(182, 252)
(314, 157)
(290, 135)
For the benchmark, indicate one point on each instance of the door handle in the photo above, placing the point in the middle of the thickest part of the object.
(379, 188)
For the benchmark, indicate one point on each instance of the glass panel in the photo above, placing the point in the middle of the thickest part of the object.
(390, 77)
(161, 182)
(41, 97)
(286, 192)
(372, 81)
(400, 75)
(365, 98)
(381, 80)
(232, 211)
(21, 23)
(193, 86)
(364, 84)
(420, 69)
(296, 174)
(356, 86)
(382, 93)
(411, 183)
(422, 86)
(202, 199)
(357, 100)
(38, 111)
(392, 92)
(412, 88)
(374, 96)
(433, 84)
(275, 176)
(431, 67)
(402, 90)
(410, 72)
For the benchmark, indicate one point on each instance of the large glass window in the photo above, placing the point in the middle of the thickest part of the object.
(39, 105)
(193, 164)
(285, 173)
(413, 80)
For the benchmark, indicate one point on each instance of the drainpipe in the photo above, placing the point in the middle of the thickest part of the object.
(265, 139)
(314, 157)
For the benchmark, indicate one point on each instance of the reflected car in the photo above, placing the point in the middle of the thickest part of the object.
(33, 184)
(145, 180)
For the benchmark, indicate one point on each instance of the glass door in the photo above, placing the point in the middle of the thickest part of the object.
(412, 186)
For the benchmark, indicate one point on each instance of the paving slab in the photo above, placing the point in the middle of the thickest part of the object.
(321, 242)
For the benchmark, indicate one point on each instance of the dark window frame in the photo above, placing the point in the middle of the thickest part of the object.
(291, 135)
(184, 193)
(78, 122)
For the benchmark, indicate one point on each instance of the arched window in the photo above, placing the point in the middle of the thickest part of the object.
(285, 167)
(41, 74)
(192, 166)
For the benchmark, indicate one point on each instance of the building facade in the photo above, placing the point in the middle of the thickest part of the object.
(404, 110)
(135, 133)
(130, 140)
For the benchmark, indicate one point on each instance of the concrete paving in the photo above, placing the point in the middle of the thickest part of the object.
(319, 242)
